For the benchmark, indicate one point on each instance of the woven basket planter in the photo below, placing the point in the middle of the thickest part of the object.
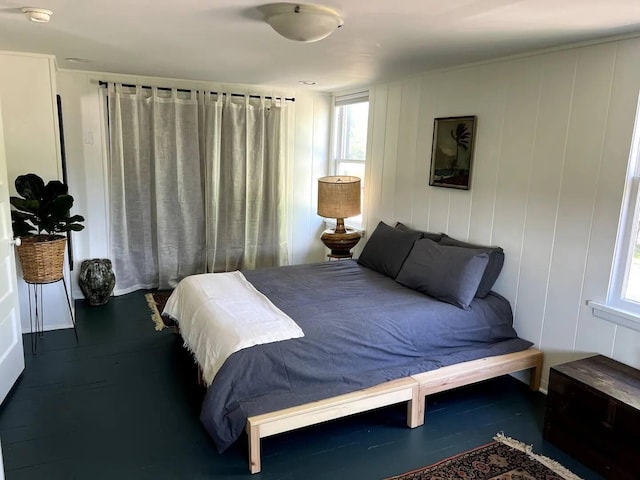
(41, 261)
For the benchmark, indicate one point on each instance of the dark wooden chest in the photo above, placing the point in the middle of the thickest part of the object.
(593, 413)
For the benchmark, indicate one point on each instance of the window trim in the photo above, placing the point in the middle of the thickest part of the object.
(342, 101)
(616, 308)
(351, 98)
(614, 315)
(627, 231)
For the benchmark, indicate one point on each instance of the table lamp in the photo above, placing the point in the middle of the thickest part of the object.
(339, 198)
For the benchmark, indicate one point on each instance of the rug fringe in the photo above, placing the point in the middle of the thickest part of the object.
(546, 461)
(155, 314)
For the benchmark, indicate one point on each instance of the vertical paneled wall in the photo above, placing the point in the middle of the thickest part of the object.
(552, 146)
(310, 161)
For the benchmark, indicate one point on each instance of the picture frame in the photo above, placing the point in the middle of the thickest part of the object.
(452, 152)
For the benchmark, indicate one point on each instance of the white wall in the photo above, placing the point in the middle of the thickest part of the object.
(27, 89)
(310, 162)
(553, 138)
(84, 129)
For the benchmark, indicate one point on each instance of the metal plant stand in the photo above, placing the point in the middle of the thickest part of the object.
(36, 311)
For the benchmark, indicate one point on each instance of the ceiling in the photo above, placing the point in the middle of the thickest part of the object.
(227, 41)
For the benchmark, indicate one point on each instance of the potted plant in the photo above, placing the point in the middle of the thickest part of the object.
(41, 217)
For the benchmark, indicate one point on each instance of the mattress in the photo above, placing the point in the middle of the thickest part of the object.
(361, 328)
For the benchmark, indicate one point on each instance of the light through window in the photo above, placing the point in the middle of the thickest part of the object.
(632, 285)
(351, 120)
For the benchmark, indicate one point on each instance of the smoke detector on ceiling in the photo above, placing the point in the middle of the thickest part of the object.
(38, 15)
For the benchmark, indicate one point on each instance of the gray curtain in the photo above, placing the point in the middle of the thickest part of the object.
(197, 183)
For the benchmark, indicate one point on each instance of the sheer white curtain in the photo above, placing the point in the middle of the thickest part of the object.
(157, 232)
(245, 188)
(197, 182)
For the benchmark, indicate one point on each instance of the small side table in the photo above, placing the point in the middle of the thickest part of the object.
(36, 311)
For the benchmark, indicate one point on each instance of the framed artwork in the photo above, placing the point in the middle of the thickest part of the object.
(452, 152)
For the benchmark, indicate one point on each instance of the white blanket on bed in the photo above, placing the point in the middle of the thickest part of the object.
(221, 313)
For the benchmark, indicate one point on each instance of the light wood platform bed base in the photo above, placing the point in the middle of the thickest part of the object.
(412, 389)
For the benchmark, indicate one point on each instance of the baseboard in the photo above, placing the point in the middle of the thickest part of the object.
(524, 378)
(48, 328)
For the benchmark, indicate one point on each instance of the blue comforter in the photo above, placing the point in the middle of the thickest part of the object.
(361, 328)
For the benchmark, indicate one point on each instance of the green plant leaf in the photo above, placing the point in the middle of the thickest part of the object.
(26, 205)
(23, 229)
(76, 227)
(53, 190)
(61, 205)
(18, 215)
(29, 186)
(75, 218)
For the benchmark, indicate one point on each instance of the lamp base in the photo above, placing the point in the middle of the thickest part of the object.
(340, 244)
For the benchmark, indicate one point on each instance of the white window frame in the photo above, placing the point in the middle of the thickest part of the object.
(617, 308)
(338, 145)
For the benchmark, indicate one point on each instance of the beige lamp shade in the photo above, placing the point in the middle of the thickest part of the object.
(338, 197)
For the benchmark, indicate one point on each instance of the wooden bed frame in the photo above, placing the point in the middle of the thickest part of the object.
(413, 390)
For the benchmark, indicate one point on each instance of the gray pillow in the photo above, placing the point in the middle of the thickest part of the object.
(387, 249)
(450, 274)
(432, 236)
(494, 267)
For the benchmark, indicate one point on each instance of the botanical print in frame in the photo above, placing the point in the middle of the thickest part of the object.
(452, 152)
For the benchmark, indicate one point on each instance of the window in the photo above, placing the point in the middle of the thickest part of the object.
(627, 280)
(351, 118)
(623, 300)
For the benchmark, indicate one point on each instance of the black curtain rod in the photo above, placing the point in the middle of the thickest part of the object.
(104, 84)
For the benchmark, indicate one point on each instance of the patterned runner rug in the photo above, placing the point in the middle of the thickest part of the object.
(504, 459)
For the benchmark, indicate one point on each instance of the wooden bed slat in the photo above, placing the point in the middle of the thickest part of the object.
(412, 389)
(382, 395)
(466, 373)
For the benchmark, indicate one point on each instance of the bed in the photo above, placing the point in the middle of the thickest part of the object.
(369, 341)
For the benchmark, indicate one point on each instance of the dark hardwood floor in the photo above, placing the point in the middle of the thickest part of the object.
(123, 404)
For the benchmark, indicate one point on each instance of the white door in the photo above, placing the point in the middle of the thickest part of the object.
(11, 355)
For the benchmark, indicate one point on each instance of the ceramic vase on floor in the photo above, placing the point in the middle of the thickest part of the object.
(97, 280)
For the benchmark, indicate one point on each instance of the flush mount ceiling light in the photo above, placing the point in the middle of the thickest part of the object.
(38, 15)
(302, 23)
